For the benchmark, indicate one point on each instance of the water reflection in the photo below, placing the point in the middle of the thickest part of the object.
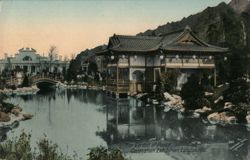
(135, 128)
(79, 119)
(69, 118)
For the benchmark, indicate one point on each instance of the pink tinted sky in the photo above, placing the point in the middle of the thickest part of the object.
(75, 25)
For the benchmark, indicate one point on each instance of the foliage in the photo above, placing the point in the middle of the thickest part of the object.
(72, 70)
(52, 54)
(49, 151)
(3, 97)
(25, 81)
(237, 64)
(4, 106)
(16, 148)
(168, 81)
(238, 92)
(7, 107)
(192, 93)
(20, 148)
(101, 153)
(92, 68)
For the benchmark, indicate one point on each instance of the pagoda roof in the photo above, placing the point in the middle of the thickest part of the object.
(184, 41)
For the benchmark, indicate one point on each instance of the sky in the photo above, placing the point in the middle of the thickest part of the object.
(75, 25)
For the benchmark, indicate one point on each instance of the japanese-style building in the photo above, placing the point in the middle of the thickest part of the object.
(134, 63)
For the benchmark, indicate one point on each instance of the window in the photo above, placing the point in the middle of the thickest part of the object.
(27, 58)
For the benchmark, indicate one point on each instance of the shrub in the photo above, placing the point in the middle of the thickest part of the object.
(101, 153)
(238, 92)
(20, 148)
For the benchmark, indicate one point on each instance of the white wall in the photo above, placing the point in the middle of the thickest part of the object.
(157, 60)
(139, 60)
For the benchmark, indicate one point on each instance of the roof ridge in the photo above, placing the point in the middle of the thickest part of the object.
(139, 37)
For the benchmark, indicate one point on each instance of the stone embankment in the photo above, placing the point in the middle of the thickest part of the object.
(21, 91)
(79, 86)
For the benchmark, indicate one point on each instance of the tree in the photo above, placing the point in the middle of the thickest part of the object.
(92, 68)
(193, 94)
(238, 66)
(52, 54)
(25, 81)
(168, 81)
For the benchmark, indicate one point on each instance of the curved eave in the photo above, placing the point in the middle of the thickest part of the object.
(196, 49)
(134, 51)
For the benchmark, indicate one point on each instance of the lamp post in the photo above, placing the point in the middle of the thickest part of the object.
(135, 57)
(177, 56)
(161, 57)
(225, 58)
(210, 57)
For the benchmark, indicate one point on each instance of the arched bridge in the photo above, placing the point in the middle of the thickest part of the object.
(44, 81)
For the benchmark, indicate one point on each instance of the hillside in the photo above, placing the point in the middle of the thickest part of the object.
(239, 5)
(220, 25)
(246, 17)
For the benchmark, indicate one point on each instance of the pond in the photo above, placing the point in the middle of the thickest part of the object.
(79, 119)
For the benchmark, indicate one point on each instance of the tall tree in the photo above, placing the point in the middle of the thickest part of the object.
(52, 55)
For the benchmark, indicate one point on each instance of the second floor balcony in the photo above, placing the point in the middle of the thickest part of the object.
(190, 62)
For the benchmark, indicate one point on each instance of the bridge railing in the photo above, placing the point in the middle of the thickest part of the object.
(50, 77)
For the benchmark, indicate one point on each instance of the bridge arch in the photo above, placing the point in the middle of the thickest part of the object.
(44, 81)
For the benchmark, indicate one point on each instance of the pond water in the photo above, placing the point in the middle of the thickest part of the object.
(78, 119)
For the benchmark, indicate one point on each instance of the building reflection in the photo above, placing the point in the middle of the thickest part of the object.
(132, 123)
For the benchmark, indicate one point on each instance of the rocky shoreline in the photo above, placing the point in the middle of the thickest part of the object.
(222, 116)
(10, 114)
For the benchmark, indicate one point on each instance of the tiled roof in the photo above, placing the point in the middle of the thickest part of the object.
(134, 43)
(177, 41)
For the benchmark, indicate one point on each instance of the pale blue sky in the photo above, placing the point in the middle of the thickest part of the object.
(74, 25)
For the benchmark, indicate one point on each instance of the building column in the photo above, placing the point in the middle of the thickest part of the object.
(144, 78)
(215, 77)
(117, 77)
(29, 68)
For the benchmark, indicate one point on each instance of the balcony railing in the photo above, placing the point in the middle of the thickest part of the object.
(190, 62)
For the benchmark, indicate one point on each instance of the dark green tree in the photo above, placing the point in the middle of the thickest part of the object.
(192, 93)
(25, 81)
(168, 81)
